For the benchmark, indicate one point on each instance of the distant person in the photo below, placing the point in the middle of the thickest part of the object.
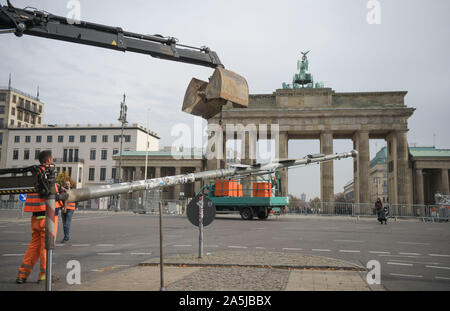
(66, 214)
(380, 211)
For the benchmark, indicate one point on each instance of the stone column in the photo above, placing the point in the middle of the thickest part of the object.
(403, 172)
(282, 146)
(157, 172)
(392, 167)
(444, 182)
(177, 188)
(362, 169)
(326, 169)
(197, 184)
(419, 187)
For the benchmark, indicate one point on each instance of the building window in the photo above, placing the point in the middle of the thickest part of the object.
(38, 139)
(39, 120)
(2, 109)
(93, 138)
(16, 154)
(27, 104)
(75, 155)
(33, 120)
(127, 138)
(82, 139)
(92, 155)
(105, 138)
(70, 171)
(26, 154)
(40, 109)
(1, 138)
(91, 173)
(104, 154)
(71, 139)
(113, 173)
(115, 151)
(70, 155)
(103, 173)
(116, 138)
(60, 139)
(2, 97)
(17, 139)
(19, 124)
(20, 115)
(28, 139)
(14, 99)
(13, 111)
(36, 154)
(12, 122)
(2, 123)
(49, 139)
(27, 117)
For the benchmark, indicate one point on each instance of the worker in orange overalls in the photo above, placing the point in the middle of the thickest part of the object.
(66, 213)
(35, 204)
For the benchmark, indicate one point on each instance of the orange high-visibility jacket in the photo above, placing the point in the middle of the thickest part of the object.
(34, 203)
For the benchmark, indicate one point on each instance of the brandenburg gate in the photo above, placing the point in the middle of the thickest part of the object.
(323, 114)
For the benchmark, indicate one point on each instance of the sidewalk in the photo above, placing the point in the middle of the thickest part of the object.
(237, 271)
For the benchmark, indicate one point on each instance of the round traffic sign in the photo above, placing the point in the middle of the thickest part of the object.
(209, 211)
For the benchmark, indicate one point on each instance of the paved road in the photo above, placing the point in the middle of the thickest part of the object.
(413, 255)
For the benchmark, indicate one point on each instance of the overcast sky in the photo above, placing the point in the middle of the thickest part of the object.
(261, 40)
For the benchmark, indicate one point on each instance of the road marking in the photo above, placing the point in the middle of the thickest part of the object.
(441, 278)
(186, 245)
(412, 254)
(10, 255)
(418, 262)
(106, 245)
(231, 246)
(259, 247)
(141, 253)
(80, 245)
(348, 251)
(211, 245)
(437, 267)
(407, 275)
(379, 252)
(13, 232)
(292, 249)
(320, 250)
(414, 243)
(400, 256)
(107, 254)
(438, 255)
(349, 241)
(400, 264)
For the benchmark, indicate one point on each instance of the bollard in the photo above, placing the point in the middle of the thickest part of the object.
(161, 258)
(50, 229)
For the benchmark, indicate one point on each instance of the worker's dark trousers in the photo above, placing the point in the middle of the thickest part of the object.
(66, 220)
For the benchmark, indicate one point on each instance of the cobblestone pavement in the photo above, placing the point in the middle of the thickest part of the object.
(237, 271)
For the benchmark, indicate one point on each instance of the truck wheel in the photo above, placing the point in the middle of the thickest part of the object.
(247, 213)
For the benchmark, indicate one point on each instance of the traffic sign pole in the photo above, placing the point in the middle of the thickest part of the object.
(200, 227)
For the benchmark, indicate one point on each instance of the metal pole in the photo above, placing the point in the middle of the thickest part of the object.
(50, 229)
(123, 120)
(200, 227)
(146, 157)
(161, 257)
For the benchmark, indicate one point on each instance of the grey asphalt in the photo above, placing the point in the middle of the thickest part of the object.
(414, 255)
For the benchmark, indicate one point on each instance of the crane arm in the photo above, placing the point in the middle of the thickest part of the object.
(37, 23)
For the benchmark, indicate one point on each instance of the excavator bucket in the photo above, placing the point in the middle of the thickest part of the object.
(206, 99)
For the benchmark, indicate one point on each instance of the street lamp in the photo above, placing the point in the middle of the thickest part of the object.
(123, 120)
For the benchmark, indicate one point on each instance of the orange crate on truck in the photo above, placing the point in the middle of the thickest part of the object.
(262, 189)
(226, 188)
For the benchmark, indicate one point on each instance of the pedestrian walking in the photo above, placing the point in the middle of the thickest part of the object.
(66, 214)
(380, 211)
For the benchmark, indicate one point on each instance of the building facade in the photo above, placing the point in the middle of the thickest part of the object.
(85, 152)
(17, 109)
(379, 177)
